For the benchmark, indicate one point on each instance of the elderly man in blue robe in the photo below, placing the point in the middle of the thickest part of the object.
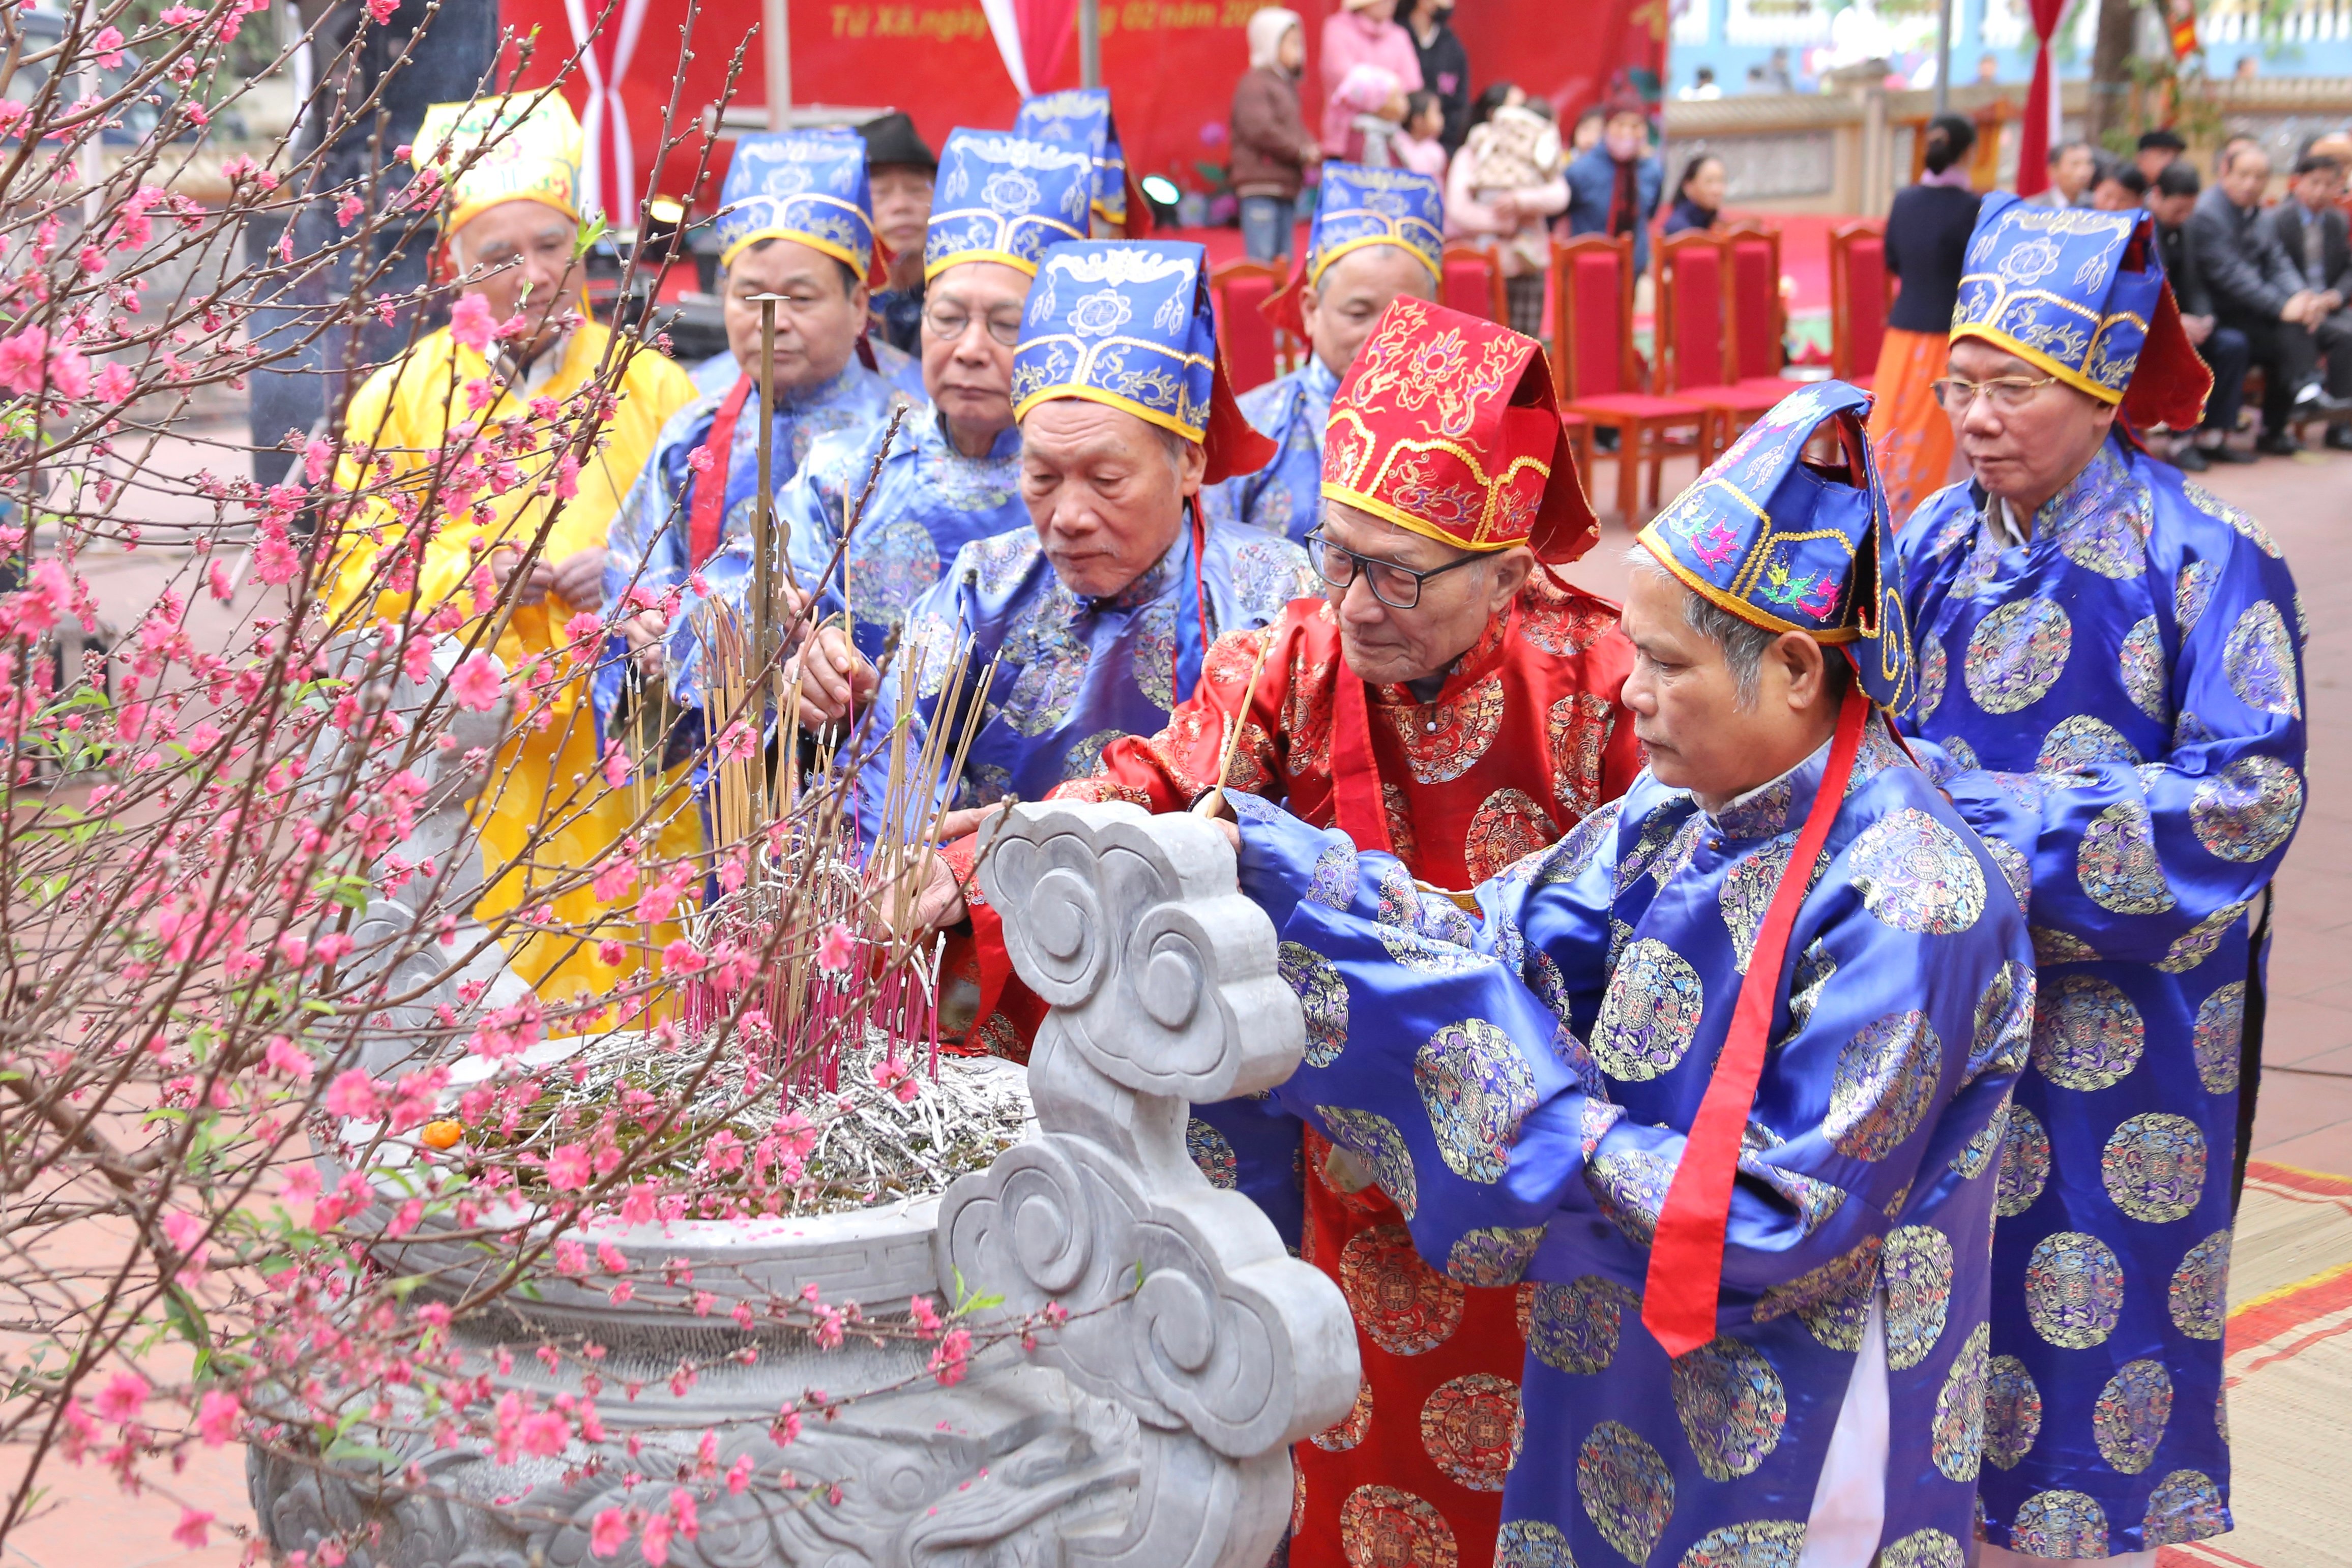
(2117, 651)
(1079, 118)
(1379, 234)
(1719, 1073)
(797, 222)
(1095, 617)
(952, 474)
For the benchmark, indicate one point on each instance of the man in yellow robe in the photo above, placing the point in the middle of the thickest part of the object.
(524, 503)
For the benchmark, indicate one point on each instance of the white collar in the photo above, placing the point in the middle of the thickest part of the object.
(1999, 516)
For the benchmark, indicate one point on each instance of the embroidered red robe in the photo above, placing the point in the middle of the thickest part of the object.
(1525, 738)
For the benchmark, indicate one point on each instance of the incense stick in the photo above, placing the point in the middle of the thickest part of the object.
(1209, 804)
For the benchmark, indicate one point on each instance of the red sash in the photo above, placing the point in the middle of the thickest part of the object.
(710, 511)
(1686, 1277)
(1356, 795)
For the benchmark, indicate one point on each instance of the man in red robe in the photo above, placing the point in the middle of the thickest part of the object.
(1452, 700)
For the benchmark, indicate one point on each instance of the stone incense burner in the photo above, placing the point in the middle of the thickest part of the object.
(1152, 1431)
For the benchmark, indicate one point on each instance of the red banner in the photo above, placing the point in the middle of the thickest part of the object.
(1171, 65)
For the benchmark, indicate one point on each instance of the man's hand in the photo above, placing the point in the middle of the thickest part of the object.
(938, 899)
(2198, 328)
(2330, 302)
(833, 678)
(792, 626)
(506, 558)
(579, 580)
(647, 635)
(2298, 308)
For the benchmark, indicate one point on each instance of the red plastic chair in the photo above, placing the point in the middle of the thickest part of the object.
(1759, 317)
(1473, 284)
(1695, 339)
(1592, 301)
(1859, 297)
(1255, 352)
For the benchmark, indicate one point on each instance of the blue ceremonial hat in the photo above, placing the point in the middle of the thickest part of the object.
(1362, 206)
(1127, 323)
(2083, 295)
(803, 186)
(1792, 544)
(1005, 198)
(1079, 117)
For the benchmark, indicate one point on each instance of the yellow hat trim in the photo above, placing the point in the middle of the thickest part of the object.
(2073, 378)
(1004, 259)
(1323, 263)
(1109, 399)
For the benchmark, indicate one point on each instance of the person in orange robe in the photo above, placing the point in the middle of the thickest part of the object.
(1452, 700)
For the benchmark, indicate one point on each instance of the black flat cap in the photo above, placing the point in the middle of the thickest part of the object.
(892, 141)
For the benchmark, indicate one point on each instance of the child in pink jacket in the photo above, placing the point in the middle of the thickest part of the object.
(1361, 32)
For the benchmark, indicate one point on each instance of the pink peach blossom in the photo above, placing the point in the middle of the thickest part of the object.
(476, 683)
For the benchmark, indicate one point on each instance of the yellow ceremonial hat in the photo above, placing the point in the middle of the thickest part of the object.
(523, 147)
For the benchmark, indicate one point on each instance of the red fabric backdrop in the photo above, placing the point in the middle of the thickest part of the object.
(1171, 65)
(2033, 140)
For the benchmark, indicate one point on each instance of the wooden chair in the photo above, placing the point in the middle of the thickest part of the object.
(1859, 295)
(1473, 284)
(1592, 301)
(1694, 328)
(1759, 317)
(1255, 351)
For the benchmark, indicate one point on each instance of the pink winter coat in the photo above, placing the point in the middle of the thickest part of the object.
(1351, 39)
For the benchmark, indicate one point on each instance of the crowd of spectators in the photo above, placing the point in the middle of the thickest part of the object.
(2265, 290)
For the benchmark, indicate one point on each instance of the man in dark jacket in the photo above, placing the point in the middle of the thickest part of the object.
(900, 166)
(2223, 348)
(1615, 188)
(2258, 291)
(2311, 229)
(1444, 66)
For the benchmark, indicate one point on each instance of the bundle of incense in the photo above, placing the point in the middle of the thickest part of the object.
(806, 881)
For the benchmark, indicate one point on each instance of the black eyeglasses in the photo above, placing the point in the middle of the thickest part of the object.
(949, 325)
(1398, 587)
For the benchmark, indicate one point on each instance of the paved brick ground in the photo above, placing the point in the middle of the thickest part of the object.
(2306, 1105)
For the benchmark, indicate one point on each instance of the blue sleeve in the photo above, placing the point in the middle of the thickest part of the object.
(1449, 1052)
(810, 506)
(641, 552)
(2152, 862)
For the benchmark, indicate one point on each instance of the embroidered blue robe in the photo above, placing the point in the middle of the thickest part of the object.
(649, 540)
(2129, 675)
(1286, 497)
(1520, 1082)
(928, 502)
(1076, 674)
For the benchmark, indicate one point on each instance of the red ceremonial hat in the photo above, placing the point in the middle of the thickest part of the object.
(1447, 425)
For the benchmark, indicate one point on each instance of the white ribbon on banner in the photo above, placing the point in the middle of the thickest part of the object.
(605, 107)
(1005, 28)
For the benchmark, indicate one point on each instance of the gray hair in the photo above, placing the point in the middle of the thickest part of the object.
(1173, 443)
(1743, 641)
